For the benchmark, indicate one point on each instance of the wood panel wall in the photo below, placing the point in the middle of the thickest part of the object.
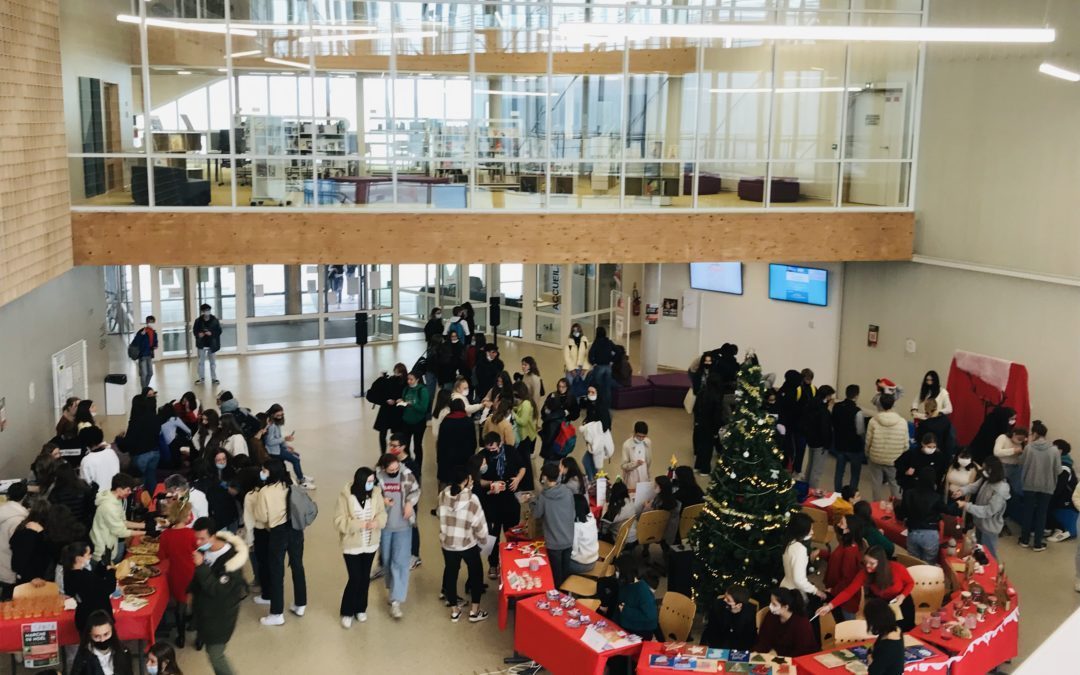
(35, 226)
(281, 236)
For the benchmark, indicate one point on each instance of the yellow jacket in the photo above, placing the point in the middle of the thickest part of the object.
(269, 506)
(351, 530)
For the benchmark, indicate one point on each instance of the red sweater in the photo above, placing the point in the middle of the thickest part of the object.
(845, 563)
(177, 546)
(902, 584)
(794, 638)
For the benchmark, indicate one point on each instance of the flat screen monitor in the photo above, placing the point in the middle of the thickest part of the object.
(722, 277)
(807, 285)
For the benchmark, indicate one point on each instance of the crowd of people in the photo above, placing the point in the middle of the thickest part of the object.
(229, 507)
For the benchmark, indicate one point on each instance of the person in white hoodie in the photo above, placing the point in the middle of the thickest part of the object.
(12, 512)
(886, 440)
(100, 463)
(462, 531)
(637, 456)
(797, 558)
(586, 549)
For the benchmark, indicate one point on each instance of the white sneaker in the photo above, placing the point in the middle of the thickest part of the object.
(298, 610)
(260, 600)
(395, 610)
(416, 562)
(346, 622)
(272, 620)
(361, 617)
(308, 484)
(1058, 536)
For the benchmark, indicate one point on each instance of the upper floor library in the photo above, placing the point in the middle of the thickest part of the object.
(471, 105)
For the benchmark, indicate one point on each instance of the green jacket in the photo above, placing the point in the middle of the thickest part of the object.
(418, 404)
(217, 591)
(524, 421)
(110, 525)
(874, 537)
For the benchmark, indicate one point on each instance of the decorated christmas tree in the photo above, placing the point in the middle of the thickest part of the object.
(739, 538)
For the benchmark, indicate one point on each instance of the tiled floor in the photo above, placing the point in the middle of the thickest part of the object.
(333, 432)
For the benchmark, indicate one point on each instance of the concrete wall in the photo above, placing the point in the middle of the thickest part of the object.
(32, 328)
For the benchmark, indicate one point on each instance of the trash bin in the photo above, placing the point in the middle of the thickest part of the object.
(115, 398)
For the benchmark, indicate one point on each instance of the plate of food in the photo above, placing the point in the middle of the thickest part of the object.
(143, 548)
(144, 560)
(138, 590)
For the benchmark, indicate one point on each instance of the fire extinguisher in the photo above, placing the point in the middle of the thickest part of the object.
(635, 301)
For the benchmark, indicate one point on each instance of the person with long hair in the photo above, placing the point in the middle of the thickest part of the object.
(962, 472)
(279, 446)
(161, 660)
(664, 500)
(100, 650)
(74, 493)
(987, 508)
(531, 375)
(817, 429)
(998, 422)
(526, 428)
(66, 427)
(187, 409)
(570, 473)
(796, 557)
(206, 432)
(462, 531)
(871, 533)
(440, 411)
(385, 393)
(401, 490)
(785, 629)
(416, 405)
(463, 392)
(501, 389)
(887, 654)
(933, 422)
(620, 508)
(31, 555)
(637, 604)
(268, 508)
(176, 544)
(143, 430)
(687, 490)
(844, 562)
(576, 355)
(931, 389)
(230, 437)
(456, 441)
(85, 415)
(560, 406)
(359, 519)
(498, 421)
(879, 578)
(90, 584)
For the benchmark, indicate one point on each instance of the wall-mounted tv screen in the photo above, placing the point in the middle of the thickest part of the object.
(723, 277)
(807, 285)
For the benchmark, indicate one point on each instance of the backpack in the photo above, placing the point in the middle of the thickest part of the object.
(565, 440)
(379, 391)
(248, 423)
(133, 350)
(301, 508)
(621, 370)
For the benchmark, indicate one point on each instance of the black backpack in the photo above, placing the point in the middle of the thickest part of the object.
(246, 420)
(621, 370)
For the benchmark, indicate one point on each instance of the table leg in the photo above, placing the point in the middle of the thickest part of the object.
(503, 611)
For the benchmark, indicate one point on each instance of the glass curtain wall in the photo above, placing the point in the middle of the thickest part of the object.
(477, 104)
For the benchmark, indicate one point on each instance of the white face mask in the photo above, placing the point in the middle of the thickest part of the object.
(491, 356)
(465, 391)
(592, 397)
(638, 441)
(929, 450)
(577, 333)
(774, 608)
(964, 462)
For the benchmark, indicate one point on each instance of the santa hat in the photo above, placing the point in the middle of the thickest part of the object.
(886, 384)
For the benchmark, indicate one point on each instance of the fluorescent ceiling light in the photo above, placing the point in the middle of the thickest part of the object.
(253, 52)
(1060, 73)
(183, 72)
(283, 62)
(223, 70)
(784, 90)
(612, 31)
(197, 27)
(496, 92)
(356, 37)
(298, 26)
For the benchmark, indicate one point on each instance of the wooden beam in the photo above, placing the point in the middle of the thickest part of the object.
(280, 236)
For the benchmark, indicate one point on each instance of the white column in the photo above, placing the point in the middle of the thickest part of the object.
(650, 332)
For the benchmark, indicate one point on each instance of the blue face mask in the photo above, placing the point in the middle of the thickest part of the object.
(263, 475)
(221, 466)
(204, 548)
(369, 486)
(151, 670)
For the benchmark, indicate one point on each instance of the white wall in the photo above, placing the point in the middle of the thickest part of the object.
(784, 334)
(1029, 322)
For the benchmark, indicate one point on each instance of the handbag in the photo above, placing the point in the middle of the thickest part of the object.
(688, 401)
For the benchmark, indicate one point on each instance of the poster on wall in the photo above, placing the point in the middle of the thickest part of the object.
(671, 307)
(40, 646)
(690, 300)
(652, 313)
(872, 336)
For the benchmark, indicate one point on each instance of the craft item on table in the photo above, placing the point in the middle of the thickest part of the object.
(544, 605)
(553, 595)
(916, 653)
(133, 604)
(556, 611)
(573, 623)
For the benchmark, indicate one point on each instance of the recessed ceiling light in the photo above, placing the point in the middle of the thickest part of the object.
(283, 62)
(1058, 72)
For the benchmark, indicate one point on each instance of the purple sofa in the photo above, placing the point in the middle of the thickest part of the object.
(638, 395)
(669, 389)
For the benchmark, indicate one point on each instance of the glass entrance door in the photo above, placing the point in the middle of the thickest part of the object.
(550, 295)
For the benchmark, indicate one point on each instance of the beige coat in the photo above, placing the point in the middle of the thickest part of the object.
(269, 506)
(350, 528)
(886, 438)
(576, 355)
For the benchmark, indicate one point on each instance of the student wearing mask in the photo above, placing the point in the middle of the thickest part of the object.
(785, 629)
(910, 464)
(218, 482)
(207, 431)
(458, 326)
(849, 432)
(709, 416)
(456, 442)
(637, 612)
(934, 422)
(845, 561)
(887, 654)
(637, 456)
(487, 370)
(1009, 448)
(399, 447)
(232, 437)
(931, 390)
(461, 392)
(90, 584)
(961, 473)
(531, 376)
(1040, 469)
(279, 446)
(359, 519)
(595, 431)
(731, 623)
(886, 440)
(12, 513)
(66, 429)
(987, 509)
(100, 650)
(559, 406)
(462, 531)
(268, 508)
(401, 493)
(187, 409)
(101, 462)
(620, 508)
(111, 526)
(796, 558)
(817, 429)
(176, 544)
(207, 330)
(146, 341)
(880, 578)
(586, 548)
(217, 589)
(434, 325)
(526, 428)
(501, 473)
(601, 355)
(141, 437)
(415, 405)
(161, 660)
(576, 356)
(555, 505)
(921, 509)
(389, 389)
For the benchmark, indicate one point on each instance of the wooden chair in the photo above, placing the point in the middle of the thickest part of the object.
(676, 616)
(582, 586)
(760, 616)
(591, 603)
(828, 630)
(47, 590)
(652, 525)
(609, 552)
(822, 532)
(689, 516)
(929, 591)
(848, 632)
(908, 560)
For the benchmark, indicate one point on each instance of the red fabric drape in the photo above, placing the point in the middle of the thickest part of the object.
(970, 396)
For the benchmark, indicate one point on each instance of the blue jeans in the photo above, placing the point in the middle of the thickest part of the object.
(600, 377)
(855, 459)
(146, 371)
(989, 541)
(1033, 516)
(395, 550)
(1014, 476)
(924, 545)
(1065, 519)
(147, 464)
(287, 456)
(204, 356)
(589, 465)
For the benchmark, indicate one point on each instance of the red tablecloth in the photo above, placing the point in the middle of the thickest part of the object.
(138, 625)
(938, 663)
(652, 647)
(547, 640)
(508, 563)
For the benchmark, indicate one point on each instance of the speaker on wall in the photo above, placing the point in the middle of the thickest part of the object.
(494, 310)
(361, 328)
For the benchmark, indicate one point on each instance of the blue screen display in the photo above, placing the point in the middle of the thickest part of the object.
(807, 285)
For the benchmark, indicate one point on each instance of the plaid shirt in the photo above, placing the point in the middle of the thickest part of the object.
(461, 521)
